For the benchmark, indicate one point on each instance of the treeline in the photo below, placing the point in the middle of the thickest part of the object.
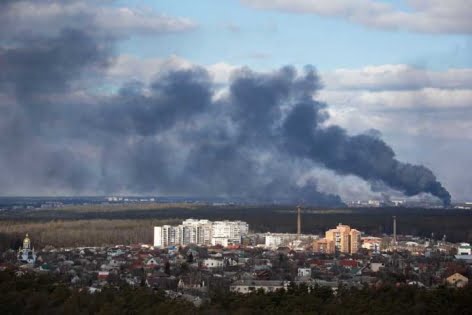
(123, 225)
(33, 294)
(60, 233)
(44, 294)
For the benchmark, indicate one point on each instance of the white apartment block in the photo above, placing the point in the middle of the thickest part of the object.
(200, 232)
(228, 232)
(278, 239)
(275, 240)
(464, 249)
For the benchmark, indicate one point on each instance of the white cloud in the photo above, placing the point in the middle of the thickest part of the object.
(48, 17)
(428, 16)
(435, 113)
(401, 100)
(427, 98)
(141, 21)
(221, 71)
(397, 77)
(128, 67)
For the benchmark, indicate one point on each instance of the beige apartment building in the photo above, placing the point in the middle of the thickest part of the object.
(342, 238)
(324, 246)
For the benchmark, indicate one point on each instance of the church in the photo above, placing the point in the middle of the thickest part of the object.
(26, 253)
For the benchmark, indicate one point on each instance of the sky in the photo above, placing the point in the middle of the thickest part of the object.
(94, 98)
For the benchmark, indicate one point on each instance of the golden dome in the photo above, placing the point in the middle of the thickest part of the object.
(26, 242)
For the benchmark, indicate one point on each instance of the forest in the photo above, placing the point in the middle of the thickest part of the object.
(43, 294)
(98, 225)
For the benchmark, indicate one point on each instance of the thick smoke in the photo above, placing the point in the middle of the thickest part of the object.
(365, 156)
(60, 133)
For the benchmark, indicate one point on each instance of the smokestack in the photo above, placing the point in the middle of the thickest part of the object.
(299, 223)
(394, 230)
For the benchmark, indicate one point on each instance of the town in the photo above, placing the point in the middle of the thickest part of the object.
(190, 260)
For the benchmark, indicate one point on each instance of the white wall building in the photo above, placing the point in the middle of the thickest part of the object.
(248, 286)
(158, 236)
(229, 232)
(167, 235)
(464, 249)
(213, 263)
(200, 232)
(304, 272)
(275, 240)
(371, 243)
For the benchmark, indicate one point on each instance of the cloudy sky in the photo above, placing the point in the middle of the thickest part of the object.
(397, 71)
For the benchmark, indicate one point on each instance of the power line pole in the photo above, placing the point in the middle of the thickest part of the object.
(299, 223)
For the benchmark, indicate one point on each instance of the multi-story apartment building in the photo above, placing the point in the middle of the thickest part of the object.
(342, 239)
(228, 232)
(201, 232)
(354, 241)
(196, 232)
(324, 246)
(167, 235)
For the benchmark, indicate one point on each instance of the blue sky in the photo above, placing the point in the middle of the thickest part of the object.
(231, 32)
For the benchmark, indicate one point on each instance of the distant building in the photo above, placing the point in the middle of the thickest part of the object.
(371, 243)
(324, 246)
(304, 272)
(457, 280)
(248, 286)
(342, 239)
(275, 240)
(374, 203)
(464, 249)
(228, 232)
(212, 263)
(376, 266)
(201, 232)
(26, 253)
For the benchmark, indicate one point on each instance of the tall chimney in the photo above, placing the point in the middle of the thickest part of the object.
(299, 223)
(394, 230)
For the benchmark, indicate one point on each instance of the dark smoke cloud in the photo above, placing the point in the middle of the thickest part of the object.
(43, 65)
(174, 136)
(363, 155)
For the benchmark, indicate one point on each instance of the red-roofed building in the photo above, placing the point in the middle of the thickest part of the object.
(348, 263)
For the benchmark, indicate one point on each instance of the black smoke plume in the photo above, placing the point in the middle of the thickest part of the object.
(176, 135)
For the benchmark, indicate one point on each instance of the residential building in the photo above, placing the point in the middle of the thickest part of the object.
(304, 272)
(371, 243)
(213, 263)
(345, 240)
(457, 280)
(324, 246)
(274, 240)
(247, 286)
(228, 232)
(201, 232)
(167, 235)
(354, 241)
(464, 249)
